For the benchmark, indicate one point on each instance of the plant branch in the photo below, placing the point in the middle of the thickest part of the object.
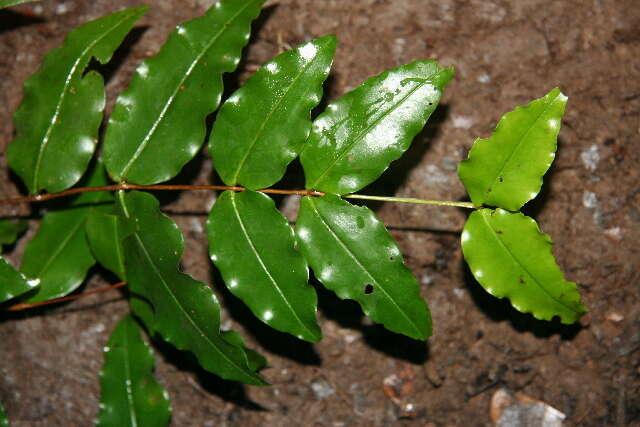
(26, 305)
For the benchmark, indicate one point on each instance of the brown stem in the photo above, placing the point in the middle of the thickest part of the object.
(125, 186)
(26, 305)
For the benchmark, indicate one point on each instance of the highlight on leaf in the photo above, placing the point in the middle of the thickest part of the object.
(356, 138)
(57, 122)
(12, 282)
(130, 395)
(506, 169)
(510, 257)
(278, 98)
(158, 123)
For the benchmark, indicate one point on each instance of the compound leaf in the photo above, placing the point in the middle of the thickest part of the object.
(10, 230)
(252, 245)
(510, 257)
(130, 395)
(506, 169)
(58, 120)
(278, 99)
(59, 256)
(12, 282)
(158, 123)
(352, 253)
(360, 134)
(186, 312)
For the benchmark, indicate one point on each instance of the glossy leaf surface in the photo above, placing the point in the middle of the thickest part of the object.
(158, 123)
(130, 395)
(262, 126)
(510, 257)
(360, 134)
(352, 253)
(506, 169)
(186, 312)
(58, 120)
(252, 245)
(59, 256)
(10, 230)
(12, 282)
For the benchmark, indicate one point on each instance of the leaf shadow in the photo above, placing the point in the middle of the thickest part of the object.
(10, 20)
(348, 314)
(500, 309)
(230, 391)
(272, 340)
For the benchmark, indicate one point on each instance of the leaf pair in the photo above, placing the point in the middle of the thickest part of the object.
(506, 252)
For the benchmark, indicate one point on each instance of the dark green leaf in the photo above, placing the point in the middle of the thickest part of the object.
(59, 256)
(58, 120)
(103, 231)
(360, 134)
(510, 257)
(130, 395)
(186, 312)
(262, 126)
(252, 245)
(9, 3)
(12, 282)
(158, 123)
(255, 360)
(351, 253)
(10, 230)
(506, 170)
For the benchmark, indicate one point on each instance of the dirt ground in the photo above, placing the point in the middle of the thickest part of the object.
(505, 53)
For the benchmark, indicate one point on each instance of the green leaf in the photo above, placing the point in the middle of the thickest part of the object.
(58, 120)
(360, 134)
(510, 257)
(12, 282)
(4, 421)
(10, 230)
(252, 245)
(9, 3)
(262, 126)
(187, 313)
(59, 256)
(158, 123)
(352, 253)
(255, 360)
(103, 230)
(130, 395)
(506, 169)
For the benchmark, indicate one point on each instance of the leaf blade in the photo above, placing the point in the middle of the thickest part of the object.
(57, 122)
(152, 254)
(506, 169)
(252, 245)
(360, 134)
(12, 282)
(351, 253)
(527, 274)
(279, 98)
(130, 395)
(158, 123)
(10, 230)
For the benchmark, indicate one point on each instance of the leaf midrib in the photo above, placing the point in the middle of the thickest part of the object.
(361, 266)
(147, 138)
(128, 382)
(70, 76)
(255, 252)
(366, 130)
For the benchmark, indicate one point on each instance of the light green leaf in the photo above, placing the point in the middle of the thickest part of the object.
(351, 253)
(252, 245)
(506, 169)
(9, 3)
(360, 134)
(262, 126)
(10, 230)
(510, 257)
(158, 123)
(58, 120)
(130, 395)
(58, 257)
(12, 282)
(186, 312)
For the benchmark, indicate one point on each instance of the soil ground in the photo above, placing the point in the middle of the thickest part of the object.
(505, 53)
